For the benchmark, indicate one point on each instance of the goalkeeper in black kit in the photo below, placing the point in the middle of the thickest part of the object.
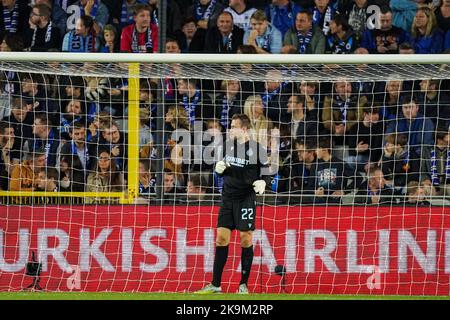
(241, 170)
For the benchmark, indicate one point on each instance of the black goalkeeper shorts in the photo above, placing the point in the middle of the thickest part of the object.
(238, 214)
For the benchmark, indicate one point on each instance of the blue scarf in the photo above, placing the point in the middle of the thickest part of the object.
(125, 19)
(66, 124)
(434, 174)
(228, 42)
(81, 44)
(224, 116)
(323, 20)
(267, 97)
(148, 43)
(38, 144)
(94, 10)
(343, 107)
(155, 17)
(201, 13)
(190, 107)
(303, 41)
(10, 18)
(266, 43)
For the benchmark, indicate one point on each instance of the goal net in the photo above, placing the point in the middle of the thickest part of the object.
(107, 176)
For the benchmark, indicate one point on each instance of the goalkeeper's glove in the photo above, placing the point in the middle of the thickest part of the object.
(220, 167)
(259, 186)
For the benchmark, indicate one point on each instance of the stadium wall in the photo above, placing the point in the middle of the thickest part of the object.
(325, 250)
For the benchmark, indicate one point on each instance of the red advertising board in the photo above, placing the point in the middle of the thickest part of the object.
(325, 250)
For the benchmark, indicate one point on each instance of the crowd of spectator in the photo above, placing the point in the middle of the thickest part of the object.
(386, 141)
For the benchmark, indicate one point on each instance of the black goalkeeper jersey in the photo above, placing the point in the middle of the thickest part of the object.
(244, 165)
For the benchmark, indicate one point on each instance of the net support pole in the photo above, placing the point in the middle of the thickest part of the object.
(133, 132)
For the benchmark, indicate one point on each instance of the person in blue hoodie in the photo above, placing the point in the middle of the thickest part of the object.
(262, 35)
(282, 13)
(425, 36)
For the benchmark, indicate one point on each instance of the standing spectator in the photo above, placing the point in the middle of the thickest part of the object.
(82, 39)
(418, 129)
(341, 39)
(45, 138)
(263, 36)
(241, 12)
(23, 176)
(322, 14)
(42, 34)
(58, 15)
(142, 36)
(14, 15)
(78, 155)
(387, 38)
(305, 37)
(225, 37)
(105, 176)
(425, 35)
(281, 14)
(205, 12)
(366, 139)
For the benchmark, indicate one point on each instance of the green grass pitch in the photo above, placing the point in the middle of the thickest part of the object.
(185, 296)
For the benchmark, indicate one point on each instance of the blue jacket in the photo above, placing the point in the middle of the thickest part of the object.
(282, 18)
(447, 41)
(403, 12)
(420, 131)
(431, 44)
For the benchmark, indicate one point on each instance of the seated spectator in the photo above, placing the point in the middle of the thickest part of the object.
(365, 139)
(79, 155)
(342, 110)
(112, 139)
(403, 12)
(225, 37)
(390, 95)
(241, 12)
(328, 176)
(275, 96)
(205, 12)
(147, 181)
(109, 42)
(263, 36)
(11, 42)
(65, 174)
(172, 46)
(9, 154)
(58, 15)
(97, 11)
(190, 37)
(194, 101)
(302, 125)
(436, 161)
(122, 15)
(21, 120)
(425, 35)
(281, 14)
(142, 36)
(23, 175)
(416, 194)
(34, 89)
(42, 34)
(105, 177)
(145, 134)
(375, 191)
(176, 119)
(196, 187)
(302, 160)
(45, 137)
(442, 14)
(229, 102)
(306, 38)
(341, 38)
(48, 180)
(322, 14)
(406, 48)
(418, 129)
(387, 38)
(260, 125)
(174, 17)
(434, 102)
(314, 99)
(14, 15)
(72, 113)
(400, 164)
(82, 39)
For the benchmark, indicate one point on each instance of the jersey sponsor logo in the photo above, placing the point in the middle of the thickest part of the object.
(239, 162)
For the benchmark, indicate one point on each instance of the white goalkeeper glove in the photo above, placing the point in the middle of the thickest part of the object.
(220, 167)
(259, 186)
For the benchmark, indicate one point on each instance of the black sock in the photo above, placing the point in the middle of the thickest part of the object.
(246, 263)
(220, 259)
